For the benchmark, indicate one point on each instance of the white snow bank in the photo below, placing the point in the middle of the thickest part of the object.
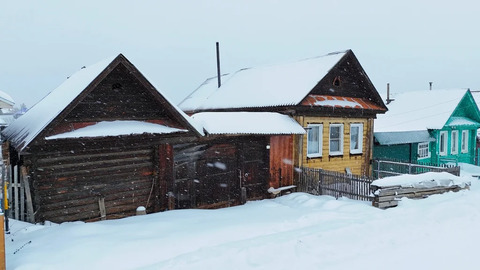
(469, 169)
(275, 191)
(297, 231)
(116, 128)
(425, 180)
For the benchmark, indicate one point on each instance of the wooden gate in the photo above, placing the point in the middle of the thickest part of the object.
(19, 199)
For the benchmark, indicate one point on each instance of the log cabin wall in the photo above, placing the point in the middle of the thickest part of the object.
(212, 173)
(206, 175)
(69, 178)
(358, 164)
(119, 96)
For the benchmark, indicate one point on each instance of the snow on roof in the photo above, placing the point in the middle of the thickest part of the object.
(340, 102)
(248, 123)
(461, 121)
(6, 101)
(6, 98)
(23, 130)
(277, 85)
(6, 119)
(206, 89)
(476, 97)
(403, 137)
(419, 110)
(116, 128)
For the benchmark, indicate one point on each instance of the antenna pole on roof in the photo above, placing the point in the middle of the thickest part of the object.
(218, 66)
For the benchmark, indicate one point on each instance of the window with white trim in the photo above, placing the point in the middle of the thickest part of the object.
(336, 140)
(454, 142)
(464, 141)
(314, 140)
(442, 143)
(423, 150)
(356, 138)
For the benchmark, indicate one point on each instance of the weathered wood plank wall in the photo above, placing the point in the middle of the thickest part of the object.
(212, 173)
(68, 180)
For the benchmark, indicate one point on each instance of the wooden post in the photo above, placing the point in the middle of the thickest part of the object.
(26, 184)
(103, 211)
(5, 197)
(8, 197)
(2, 243)
(16, 186)
(22, 199)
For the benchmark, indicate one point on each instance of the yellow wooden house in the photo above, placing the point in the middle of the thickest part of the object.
(330, 96)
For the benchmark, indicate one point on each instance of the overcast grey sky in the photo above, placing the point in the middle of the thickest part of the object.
(406, 43)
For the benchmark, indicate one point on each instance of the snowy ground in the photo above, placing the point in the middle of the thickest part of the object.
(297, 231)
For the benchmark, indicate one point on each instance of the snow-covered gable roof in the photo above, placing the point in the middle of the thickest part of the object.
(6, 101)
(27, 127)
(419, 110)
(23, 130)
(116, 128)
(278, 85)
(248, 123)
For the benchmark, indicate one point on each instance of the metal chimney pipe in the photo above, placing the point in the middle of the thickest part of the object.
(430, 85)
(388, 93)
(218, 66)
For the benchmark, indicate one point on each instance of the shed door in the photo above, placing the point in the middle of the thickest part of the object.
(253, 166)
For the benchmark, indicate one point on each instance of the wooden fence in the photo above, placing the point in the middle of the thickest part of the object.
(384, 168)
(17, 183)
(322, 182)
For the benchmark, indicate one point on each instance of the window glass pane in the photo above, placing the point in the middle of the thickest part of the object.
(442, 142)
(465, 141)
(354, 138)
(334, 132)
(454, 141)
(313, 140)
(334, 146)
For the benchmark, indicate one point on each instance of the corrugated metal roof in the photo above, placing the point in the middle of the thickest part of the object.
(276, 85)
(263, 123)
(403, 137)
(340, 102)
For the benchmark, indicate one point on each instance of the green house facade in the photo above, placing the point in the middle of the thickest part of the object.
(430, 127)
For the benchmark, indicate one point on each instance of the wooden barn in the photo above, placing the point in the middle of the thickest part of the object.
(98, 146)
(330, 96)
